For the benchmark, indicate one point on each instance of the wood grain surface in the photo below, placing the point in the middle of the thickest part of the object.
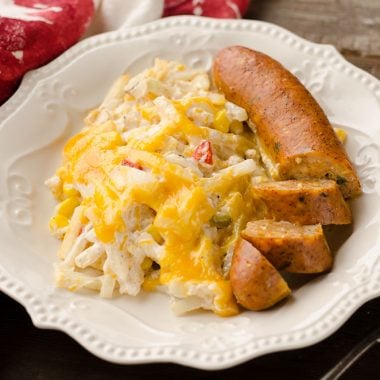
(352, 26)
(26, 352)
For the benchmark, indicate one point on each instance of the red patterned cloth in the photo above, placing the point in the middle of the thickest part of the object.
(209, 8)
(34, 32)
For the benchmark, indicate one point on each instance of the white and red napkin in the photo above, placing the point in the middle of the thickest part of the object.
(33, 32)
(209, 8)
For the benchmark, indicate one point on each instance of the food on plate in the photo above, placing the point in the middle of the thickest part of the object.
(302, 201)
(296, 139)
(293, 247)
(255, 282)
(154, 191)
(156, 188)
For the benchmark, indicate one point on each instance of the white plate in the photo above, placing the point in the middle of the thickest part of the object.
(49, 107)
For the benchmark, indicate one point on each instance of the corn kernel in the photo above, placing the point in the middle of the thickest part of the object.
(67, 207)
(155, 234)
(237, 127)
(69, 190)
(128, 97)
(149, 114)
(221, 122)
(150, 284)
(146, 114)
(146, 264)
(341, 134)
(57, 222)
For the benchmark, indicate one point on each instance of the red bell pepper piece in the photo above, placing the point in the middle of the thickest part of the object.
(203, 152)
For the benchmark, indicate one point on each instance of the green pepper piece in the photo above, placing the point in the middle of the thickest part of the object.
(221, 220)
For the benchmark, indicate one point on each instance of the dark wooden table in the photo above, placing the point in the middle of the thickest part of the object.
(353, 26)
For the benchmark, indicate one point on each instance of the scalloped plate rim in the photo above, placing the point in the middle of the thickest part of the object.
(44, 71)
(31, 80)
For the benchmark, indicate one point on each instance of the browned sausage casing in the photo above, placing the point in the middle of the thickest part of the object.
(295, 248)
(301, 201)
(255, 283)
(292, 129)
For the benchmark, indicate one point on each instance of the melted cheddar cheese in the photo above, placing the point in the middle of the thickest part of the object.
(161, 180)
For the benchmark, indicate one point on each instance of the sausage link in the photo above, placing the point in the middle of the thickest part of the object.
(297, 249)
(256, 284)
(293, 132)
(301, 201)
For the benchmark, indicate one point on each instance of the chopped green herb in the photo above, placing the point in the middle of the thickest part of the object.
(221, 220)
(340, 180)
(277, 147)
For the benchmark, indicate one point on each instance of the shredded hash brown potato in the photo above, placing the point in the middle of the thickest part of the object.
(154, 191)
